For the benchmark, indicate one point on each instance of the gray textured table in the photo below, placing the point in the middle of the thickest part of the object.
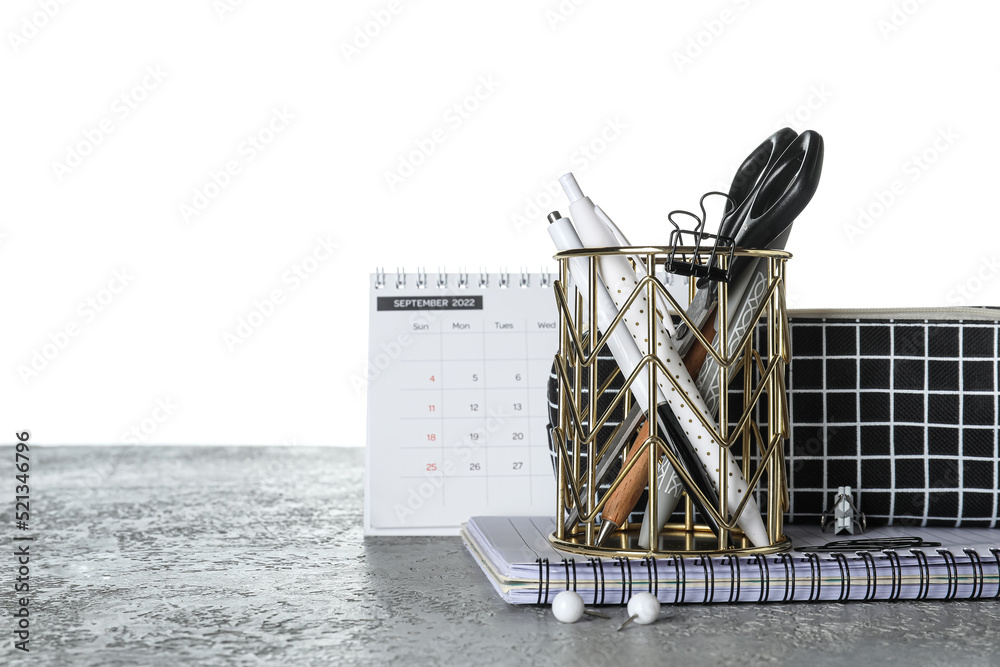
(163, 555)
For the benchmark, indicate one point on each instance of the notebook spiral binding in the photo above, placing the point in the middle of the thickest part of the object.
(996, 555)
(789, 563)
(871, 581)
(624, 564)
(815, 581)
(845, 576)
(767, 586)
(924, 569)
(569, 563)
(652, 574)
(734, 579)
(543, 569)
(949, 563)
(678, 562)
(596, 566)
(896, 571)
(709, 577)
(765, 577)
(977, 564)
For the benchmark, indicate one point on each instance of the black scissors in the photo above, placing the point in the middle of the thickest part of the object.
(771, 187)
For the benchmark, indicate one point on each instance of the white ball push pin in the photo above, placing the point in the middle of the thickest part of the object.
(643, 608)
(568, 607)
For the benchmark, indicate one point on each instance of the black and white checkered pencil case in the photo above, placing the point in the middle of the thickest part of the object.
(902, 405)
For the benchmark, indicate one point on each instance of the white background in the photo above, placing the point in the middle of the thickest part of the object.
(683, 92)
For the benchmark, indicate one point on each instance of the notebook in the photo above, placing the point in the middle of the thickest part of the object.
(524, 568)
(456, 399)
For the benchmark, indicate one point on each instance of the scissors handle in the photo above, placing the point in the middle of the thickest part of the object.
(748, 179)
(751, 174)
(784, 192)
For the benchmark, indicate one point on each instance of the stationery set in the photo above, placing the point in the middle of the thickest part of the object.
(653, 419)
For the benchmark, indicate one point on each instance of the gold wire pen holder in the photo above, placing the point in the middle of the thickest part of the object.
(759, 447)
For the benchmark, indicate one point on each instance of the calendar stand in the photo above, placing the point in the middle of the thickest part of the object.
(456, 376)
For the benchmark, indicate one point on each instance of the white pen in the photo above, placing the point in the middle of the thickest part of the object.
(669, 487)
(619, 278)
(623, 348)
(661, 304)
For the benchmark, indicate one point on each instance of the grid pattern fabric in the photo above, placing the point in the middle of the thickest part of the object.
(904, 411)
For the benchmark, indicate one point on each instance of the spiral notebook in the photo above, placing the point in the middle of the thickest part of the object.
(515, 555)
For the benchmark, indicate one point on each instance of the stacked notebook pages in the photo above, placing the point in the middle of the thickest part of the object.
(516, 556)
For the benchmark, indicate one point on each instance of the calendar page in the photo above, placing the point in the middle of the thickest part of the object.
(457, 373)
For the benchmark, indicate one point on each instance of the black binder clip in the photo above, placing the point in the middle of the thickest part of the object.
(843, 515)
(685, 264)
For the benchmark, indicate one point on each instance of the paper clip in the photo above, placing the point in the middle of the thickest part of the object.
(872, 544)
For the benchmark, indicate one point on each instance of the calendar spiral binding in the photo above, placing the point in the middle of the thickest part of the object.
(523, 278)
(577, 498)
(461, 278)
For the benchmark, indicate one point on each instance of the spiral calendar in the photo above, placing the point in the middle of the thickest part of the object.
(458, 366)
